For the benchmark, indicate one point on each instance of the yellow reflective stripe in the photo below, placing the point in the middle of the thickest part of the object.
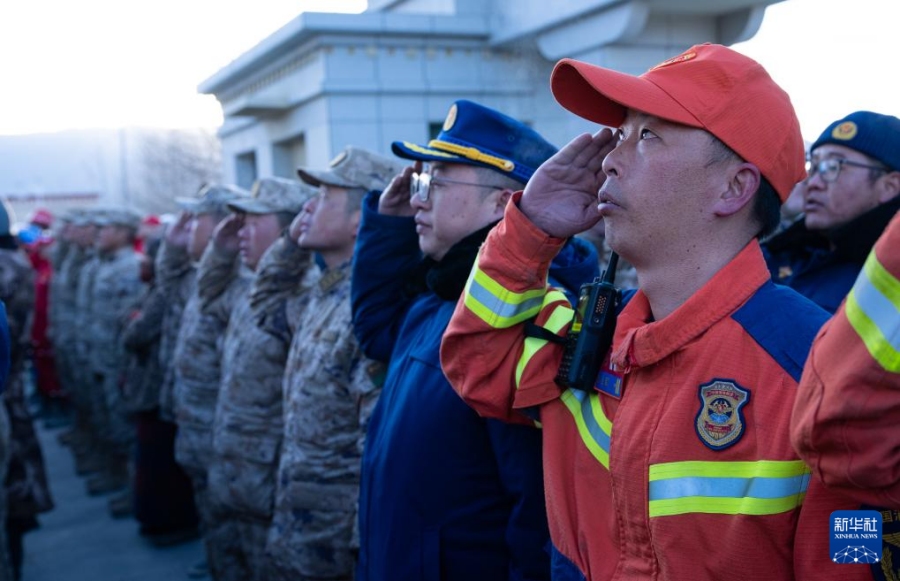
(713, 505)
(882, 279)
(873, 309)
(593, 425)
(753, 488)
(497, 306)
(559, 318)
(770, 468)
(473, 153)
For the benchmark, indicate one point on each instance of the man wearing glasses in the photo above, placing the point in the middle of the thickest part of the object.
(851, 194)
(445, 494)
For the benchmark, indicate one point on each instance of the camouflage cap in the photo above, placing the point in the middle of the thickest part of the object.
(90, 216)
(212, 199)
(72, 216)
(354, 168)
(271, 195)
(118, 217)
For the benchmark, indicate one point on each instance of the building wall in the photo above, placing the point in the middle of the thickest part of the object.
(391, 73)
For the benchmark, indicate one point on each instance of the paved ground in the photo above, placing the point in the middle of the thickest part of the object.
(79, 541)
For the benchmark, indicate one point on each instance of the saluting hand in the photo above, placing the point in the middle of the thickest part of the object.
(394, 200)
(178, 233)
(561, 196)
(225, 236)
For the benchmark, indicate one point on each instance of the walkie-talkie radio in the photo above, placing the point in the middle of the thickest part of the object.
(591, 334)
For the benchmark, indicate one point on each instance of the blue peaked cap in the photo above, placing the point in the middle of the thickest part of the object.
(477, 135)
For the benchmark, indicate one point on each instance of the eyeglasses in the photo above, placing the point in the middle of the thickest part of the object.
(421, 185)
(830, 168)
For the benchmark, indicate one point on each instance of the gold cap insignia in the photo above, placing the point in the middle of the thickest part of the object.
(338, 159)
(845, 131)
(675, 60)
(451, 118)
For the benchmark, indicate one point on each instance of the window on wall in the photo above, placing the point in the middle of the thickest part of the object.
(288, 155)
(245, 169)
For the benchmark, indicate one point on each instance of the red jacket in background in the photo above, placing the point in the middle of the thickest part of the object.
(846, 422)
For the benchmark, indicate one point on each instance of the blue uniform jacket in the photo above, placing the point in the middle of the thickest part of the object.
(822, 266)
(445, 494)
(4, 348)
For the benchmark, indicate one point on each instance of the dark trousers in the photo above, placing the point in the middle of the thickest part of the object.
(163, 498)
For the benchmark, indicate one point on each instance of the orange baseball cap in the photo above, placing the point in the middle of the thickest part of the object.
(709, 86)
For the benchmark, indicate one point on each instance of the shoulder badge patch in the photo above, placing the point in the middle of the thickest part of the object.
(889, 567)
(720, 421)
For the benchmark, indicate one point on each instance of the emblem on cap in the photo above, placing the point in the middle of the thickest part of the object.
(675, 60)
(338, 159)
(720, 421)
(845, 131)
(451, 118)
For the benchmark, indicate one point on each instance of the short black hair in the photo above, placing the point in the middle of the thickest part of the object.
(494, 178)
(766, 208)
(766, 202)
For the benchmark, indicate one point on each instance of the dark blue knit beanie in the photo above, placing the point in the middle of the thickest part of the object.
(872, 134)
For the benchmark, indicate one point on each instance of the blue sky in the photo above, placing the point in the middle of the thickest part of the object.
(108, 63)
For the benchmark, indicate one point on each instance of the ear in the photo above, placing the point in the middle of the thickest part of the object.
(888, 187)
(500, 201)
(743, 181)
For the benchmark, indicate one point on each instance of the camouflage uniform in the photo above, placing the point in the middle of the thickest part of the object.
(329, 394)
(176, 281)
(63, 295)
(248, 426)
(117, 290)
(26, 492)
(140, 339)
(176, 277)
(82, 378)
(197, 364)
(330, 390)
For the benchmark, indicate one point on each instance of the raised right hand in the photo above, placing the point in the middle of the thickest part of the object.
(561, 196)
(394, 200)
(225, 236)
(178, 233)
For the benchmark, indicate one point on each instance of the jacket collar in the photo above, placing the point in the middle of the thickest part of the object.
(848, 243)
(640, 341)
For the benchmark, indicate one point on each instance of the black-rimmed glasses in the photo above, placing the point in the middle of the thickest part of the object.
(830, 168)
(420, 185)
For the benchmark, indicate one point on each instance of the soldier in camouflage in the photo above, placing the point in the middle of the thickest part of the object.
(329, 386)
(115, 295)
(87, 458)
(247, 429)
(190, 341)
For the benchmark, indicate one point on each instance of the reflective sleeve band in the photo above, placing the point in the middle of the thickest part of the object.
(593, 425)
(498, 307)
(560, 316)
(873, 309)
(752, 488)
